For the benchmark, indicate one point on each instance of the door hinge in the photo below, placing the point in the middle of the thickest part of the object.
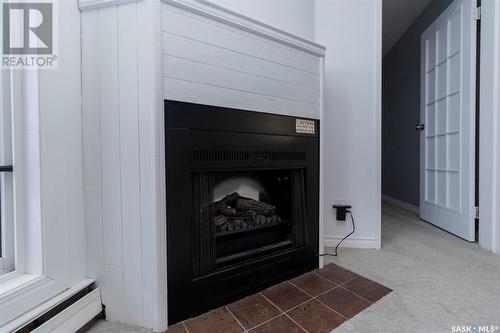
(477, 13)
(476, 212)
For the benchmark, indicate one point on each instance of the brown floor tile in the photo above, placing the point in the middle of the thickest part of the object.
(336, 273)
(286, 296)
(177, 328)
(316, 317)
(344, 302)
(313, 284)
(219, 320)
(368, 289)
(252, 311)
(282, 324)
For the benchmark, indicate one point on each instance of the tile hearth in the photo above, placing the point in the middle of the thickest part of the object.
(317, 301)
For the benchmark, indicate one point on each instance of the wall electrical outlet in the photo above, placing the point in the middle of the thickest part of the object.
(342, 207)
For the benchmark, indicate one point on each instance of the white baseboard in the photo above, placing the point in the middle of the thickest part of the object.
(402, 204)
(354, 242)
(74, 316)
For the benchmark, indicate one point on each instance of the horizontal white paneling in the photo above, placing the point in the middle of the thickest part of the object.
(203, 29)
(226, 58)
(193, 92)
(245, 18)
(187, 70)
(208, 62)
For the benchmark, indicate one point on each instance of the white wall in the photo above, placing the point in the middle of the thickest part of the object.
(351, 31)
(61, 155)
(293, 16)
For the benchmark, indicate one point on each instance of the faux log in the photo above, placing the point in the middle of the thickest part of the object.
(259, 207)
(224, 223)
(226, 203)
(220, 220)
(244, 206)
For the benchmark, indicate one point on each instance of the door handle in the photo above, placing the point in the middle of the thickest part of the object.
(420, 127)
(6, 168)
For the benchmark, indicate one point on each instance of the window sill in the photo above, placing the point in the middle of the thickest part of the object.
(82, 314)
(20, 293)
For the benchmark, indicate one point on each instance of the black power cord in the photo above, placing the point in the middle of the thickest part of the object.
(335, 253)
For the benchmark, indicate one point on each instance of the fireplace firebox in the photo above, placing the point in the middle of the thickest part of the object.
(242, 203)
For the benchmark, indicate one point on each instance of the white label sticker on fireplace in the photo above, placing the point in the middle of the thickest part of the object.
(304, 126)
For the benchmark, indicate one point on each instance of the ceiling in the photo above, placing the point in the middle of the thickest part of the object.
(397, 16)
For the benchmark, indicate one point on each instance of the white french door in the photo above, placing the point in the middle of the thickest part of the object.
(447, 98)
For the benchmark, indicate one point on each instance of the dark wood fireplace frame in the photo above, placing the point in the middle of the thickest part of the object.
(200, 138)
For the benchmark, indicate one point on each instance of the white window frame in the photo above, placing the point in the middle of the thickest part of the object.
(7, 257)
(26, 286)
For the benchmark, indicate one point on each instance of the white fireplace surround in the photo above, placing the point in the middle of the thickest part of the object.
(135, 54)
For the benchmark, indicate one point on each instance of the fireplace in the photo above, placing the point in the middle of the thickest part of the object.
(242, 203)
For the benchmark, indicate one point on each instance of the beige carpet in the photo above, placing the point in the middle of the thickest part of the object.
(438, 280)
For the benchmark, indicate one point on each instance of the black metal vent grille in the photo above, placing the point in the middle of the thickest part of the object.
(243, 155)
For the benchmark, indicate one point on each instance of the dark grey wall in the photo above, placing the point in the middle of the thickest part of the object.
(401, 110)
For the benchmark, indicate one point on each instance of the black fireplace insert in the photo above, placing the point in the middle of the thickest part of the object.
(242, 203)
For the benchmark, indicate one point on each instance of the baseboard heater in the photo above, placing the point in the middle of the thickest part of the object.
(68, 313)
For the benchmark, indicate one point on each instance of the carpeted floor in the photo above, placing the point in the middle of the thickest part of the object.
(439, 281)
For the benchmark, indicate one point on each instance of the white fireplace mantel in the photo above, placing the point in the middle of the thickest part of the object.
(135, 54)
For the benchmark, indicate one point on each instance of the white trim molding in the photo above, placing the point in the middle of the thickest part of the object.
(489, 163)
(351, 242)
(225, 16)
(412, 208)
(321, 259)
(377, 128)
